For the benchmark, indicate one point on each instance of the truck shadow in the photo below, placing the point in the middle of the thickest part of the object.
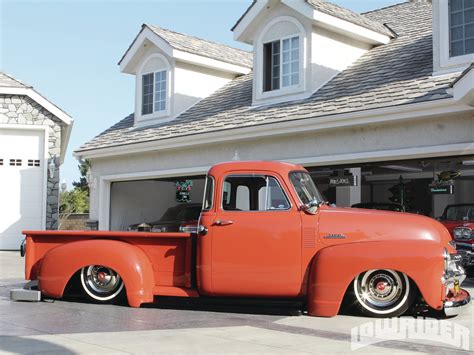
(229, 305)
(21, 345)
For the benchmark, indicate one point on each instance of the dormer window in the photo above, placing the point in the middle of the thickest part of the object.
(281, 63)
(154, 92)
(461, 27)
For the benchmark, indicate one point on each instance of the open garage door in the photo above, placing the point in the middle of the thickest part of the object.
(21, 184)
(160, 205)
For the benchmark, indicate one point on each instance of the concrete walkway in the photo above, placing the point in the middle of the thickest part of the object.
(75, 327)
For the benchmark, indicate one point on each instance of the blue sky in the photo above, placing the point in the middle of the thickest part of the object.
(68, 50)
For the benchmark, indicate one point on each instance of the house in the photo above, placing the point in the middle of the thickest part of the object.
(374, 105)
(34, 135)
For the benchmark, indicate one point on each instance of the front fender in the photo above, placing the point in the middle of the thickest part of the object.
(335, 267)
(134, 267)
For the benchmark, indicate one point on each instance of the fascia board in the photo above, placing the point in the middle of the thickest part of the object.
(338, 25)
(394, 113)
(240, 29)
(209, 62)
(145, 34)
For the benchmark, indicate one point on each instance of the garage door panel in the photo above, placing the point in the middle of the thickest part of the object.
(21, 184)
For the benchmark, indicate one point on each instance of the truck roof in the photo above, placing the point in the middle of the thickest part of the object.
(279, 167)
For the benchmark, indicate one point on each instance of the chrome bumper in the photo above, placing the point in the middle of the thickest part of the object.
(455, 305)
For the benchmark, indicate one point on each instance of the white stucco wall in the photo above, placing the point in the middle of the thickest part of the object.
(309, 147)
(193, 83)
(325, 63)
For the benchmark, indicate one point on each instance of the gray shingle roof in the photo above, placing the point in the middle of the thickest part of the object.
(350, 16)
(394, 74)
(339, 12)
(204, 47)
(9, 81)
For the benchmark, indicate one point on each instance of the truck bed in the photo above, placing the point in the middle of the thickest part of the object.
(173, 255)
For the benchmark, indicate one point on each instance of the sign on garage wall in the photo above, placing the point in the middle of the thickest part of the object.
(442, 189)
(343, 180)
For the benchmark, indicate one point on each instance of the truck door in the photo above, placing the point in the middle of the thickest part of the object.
(256, 238)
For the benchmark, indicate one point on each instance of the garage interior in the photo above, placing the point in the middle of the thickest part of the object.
(427, 185)
(147, 201)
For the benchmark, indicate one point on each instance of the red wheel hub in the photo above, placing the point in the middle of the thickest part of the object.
(381, 286)
(101, 276)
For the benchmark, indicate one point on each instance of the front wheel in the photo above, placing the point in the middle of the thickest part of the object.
(383, 293)
(101, 284)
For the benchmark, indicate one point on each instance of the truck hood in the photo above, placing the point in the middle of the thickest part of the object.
(351, 225)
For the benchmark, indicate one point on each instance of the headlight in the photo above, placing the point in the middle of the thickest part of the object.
(463, 233)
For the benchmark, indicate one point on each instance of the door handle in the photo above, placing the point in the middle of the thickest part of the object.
(222, 223)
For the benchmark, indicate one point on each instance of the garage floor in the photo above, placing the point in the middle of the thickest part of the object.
(74, 327)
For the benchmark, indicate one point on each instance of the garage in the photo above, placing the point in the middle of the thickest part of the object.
(22, 184)
(424, 186)
(158, 205)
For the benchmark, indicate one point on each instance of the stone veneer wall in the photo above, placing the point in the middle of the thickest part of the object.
(24, 111)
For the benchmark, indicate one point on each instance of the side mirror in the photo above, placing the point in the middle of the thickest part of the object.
(311, 207)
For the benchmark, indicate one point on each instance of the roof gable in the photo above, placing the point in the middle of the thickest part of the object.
(181, 46)
(323, 12)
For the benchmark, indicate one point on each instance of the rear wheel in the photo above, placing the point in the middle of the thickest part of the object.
(101, 284)
(383, 293)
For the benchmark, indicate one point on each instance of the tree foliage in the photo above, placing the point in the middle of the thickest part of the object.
(82, 184)
(74, 201)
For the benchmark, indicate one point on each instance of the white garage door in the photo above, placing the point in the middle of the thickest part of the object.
(21, 184)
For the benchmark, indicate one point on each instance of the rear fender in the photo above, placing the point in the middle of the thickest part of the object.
(133, 266)
(335, 267)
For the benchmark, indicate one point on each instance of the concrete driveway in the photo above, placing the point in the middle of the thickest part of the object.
(75, 327)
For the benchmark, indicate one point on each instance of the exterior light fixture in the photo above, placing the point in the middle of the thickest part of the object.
(52, 166)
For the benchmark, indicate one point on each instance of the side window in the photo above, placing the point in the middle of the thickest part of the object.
(253, 193)
(208, 194)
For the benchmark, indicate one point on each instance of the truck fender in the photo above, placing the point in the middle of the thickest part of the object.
(131, 263)
(335, 267)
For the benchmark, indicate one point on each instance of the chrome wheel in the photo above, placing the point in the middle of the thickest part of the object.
(101, 283)
(383, 292)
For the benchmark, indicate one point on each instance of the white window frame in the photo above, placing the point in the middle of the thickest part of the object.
(273, 96)
(154, 115)
(281, 87)
(446, 61)
(153, 109)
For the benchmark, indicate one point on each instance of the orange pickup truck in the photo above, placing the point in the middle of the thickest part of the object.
(264, 232)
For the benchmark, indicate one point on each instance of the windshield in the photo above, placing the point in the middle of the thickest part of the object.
(305, 187)
(460, 213)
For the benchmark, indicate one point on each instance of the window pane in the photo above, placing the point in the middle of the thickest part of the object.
(286, 80)
(295, 79)
(160, 91)
(456, 33)
(295, 67)
(208, 194)
(295, 42)
(456, 5)
(469, 31)
(147, 94)
(469, 46)
(456, 18)
(286, 45)
(276, 199)
(469, 16)
(295, 54)
(286, 69)
(457, 48)
(468, 4)
(286, 56)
